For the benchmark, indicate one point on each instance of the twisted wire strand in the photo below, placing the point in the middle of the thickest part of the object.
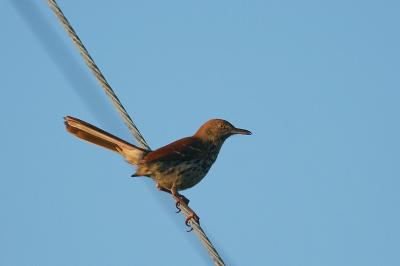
(96, 71)
(205, 241)
(203, 237)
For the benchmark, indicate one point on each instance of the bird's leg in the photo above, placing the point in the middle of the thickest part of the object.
(186, 200)
(169, 191)
(177, 197)
(180, 201)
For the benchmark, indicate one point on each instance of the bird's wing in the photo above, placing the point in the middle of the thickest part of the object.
(184, 149)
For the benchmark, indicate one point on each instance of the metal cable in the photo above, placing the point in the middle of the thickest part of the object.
(128, 121)
(96, 71)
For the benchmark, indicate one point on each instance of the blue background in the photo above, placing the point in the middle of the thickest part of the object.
(316, 81)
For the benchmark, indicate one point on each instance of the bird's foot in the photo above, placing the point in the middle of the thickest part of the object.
(177, 204)
(193, 216)
(179, 199)
(182, 200)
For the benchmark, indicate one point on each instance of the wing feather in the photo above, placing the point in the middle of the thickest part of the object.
(184, 149)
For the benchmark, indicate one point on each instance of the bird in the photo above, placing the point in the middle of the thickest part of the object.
(174, 167)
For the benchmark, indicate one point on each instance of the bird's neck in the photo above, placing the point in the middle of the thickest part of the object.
(214, 145)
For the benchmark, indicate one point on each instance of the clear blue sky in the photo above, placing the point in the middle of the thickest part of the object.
(316, 81)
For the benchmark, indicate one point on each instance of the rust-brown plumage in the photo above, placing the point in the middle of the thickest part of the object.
(174, 167)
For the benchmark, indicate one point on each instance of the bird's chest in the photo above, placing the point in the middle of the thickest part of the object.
(184, 174)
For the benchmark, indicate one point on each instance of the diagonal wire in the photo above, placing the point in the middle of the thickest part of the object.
(128, 121)
(96, 71)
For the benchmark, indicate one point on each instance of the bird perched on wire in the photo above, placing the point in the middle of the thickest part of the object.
(174, 167)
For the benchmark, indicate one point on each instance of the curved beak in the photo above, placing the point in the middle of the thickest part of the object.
(240, 131)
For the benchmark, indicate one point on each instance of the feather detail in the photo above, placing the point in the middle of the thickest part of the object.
(95, 135)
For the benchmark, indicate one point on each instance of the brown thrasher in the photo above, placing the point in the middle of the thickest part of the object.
(174, 167)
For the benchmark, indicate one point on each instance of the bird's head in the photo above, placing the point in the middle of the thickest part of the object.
(218, 130)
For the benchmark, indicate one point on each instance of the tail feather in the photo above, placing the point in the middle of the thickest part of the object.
(95, 135)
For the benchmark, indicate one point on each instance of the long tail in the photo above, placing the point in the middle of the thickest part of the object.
(92, 134)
